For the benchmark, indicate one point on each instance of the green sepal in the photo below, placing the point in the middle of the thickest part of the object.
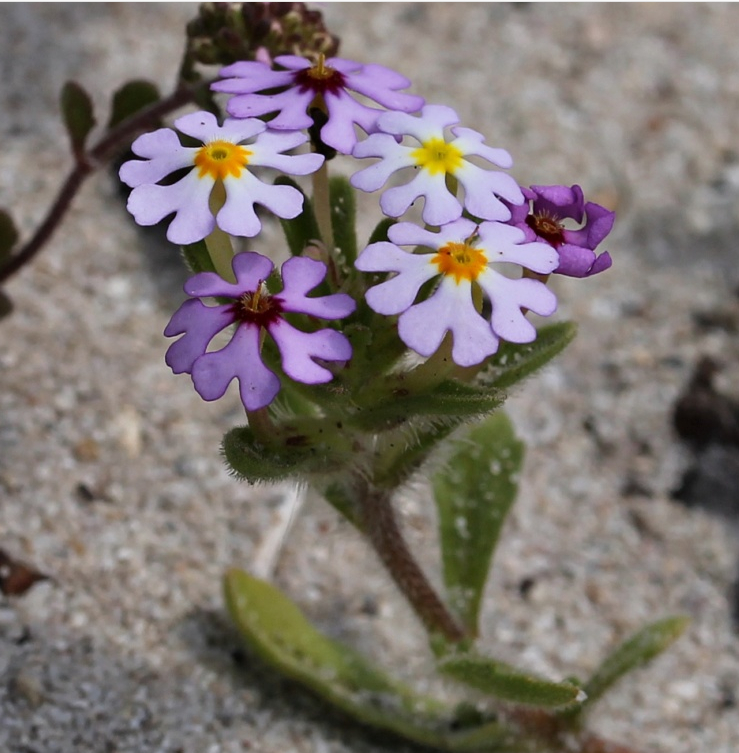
(6, 305)
(8, 235)
(635, 652)
(473, 494)
(449, 399)
(298, 450)
(279, 633)
(343, 218)
(130, 98)
(303, 229)
(381, 229)
(512, 363)
(197, 258)
(506, 682)
(79, 120)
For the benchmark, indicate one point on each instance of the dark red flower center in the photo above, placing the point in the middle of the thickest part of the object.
(320, 78)
(547, 227)
(258, 308)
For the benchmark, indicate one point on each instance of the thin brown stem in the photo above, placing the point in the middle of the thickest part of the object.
(87, 162)
(381, 526)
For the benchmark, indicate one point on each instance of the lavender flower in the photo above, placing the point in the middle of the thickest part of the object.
(325, 85)
(463, 255)
(436, 160)
(224, 158)
(253, 310)
(543, 221)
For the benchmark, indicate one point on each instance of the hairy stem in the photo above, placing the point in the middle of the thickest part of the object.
(322, 207)
(381, 526)
(113, 141)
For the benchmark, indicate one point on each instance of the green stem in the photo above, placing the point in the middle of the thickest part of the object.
(219, 243)
(322, 207)
(381, 526)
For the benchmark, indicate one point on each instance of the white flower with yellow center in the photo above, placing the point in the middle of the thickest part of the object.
(223, 160)
(441, 164)
(461, 256)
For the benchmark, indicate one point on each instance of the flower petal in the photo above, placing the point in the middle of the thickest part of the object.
(299, 276)
(240, 359)
(505, 243)
(199, 324)
(267, 152)
(440, 206)
(483, 190)
(298, 349)
(163, 155)
(249, 268)
(188, 199)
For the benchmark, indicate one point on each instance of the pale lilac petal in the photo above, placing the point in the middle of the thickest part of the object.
(410, 234)
(249, 268)
(505, 243)
(298, 349)
(471, 142)
(163, 155)
(398, 293)
(250, 76)
(431, 124)
(508, 297)
(394, 157)
(238, 130)
(238, 216)
(291, 104)
(240, 359)
(440, 205)
(199, 324)
(188, 199)
(204, 126)
(299, 276)
(296, 63)
(344, 112)
(380, 84)
(267, 152)
(482, 189)
(449, 309)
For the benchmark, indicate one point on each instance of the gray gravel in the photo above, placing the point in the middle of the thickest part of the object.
(110, 476)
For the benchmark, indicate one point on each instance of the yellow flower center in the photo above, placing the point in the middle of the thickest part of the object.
(219, 159)
(461, 260)
(438, 157)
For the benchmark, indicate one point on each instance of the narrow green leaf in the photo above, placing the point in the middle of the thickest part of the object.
(6, 305)
(512, 363)
(197, 258)
(343, 218)
(276, 629)
(473, 494)
(130, 98)
(506, 682)
(303, 229)
(76, 107)
(8, 235)
(380, 231)
(640, 649)
(448, 399)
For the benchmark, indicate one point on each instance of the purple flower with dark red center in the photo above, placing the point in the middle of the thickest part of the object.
(542, 218)
(326, 85)
(254, 310)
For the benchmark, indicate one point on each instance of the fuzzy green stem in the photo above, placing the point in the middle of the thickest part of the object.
(219, 243)
(381, 526)
(260, 422)
(322, 207)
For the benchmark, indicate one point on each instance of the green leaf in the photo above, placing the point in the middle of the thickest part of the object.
(276, 629)
(197, 258)
(303, 229)
(8, 235)
(77, 112)
(343, 218)
(449, 399)
(512, 363)
(6, 305)
(380, 231)
(506, 682)
(130, 98)
(473, 494)
(635, 652)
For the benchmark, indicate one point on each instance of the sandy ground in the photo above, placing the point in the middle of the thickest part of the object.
(110, 477)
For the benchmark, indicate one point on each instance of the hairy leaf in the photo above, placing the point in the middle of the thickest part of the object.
(343, 218)
(303, 229)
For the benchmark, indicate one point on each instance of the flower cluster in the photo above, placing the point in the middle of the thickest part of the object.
(474, 271)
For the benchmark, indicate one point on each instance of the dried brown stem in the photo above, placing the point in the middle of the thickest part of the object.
(112, 142)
